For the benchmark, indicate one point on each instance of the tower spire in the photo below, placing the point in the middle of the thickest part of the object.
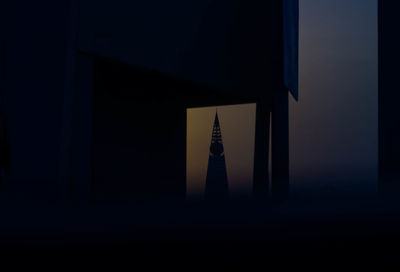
(217, 180)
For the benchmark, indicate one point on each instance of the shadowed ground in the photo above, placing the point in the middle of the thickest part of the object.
(360, 232)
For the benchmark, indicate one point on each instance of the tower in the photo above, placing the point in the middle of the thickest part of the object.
(217, 180)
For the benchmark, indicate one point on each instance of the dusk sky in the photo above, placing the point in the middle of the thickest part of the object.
(238, 131)
(334, 125)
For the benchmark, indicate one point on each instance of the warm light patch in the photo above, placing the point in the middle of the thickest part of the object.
(238, 135)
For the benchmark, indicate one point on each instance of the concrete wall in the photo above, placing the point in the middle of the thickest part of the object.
(235, 45)
(34, 64)
(389, 144)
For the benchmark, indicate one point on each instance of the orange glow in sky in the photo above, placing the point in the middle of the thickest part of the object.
(238, 135)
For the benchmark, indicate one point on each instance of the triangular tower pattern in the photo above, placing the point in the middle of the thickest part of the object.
(217, 180)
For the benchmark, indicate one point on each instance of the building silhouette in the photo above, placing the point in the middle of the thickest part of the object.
(81, 90)
(217, 180)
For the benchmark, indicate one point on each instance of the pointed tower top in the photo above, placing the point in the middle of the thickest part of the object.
(216, 120)
(216, 132)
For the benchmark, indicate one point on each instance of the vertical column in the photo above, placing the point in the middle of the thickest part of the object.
(261, 152)
(389, 118)
(68, 99)
(182, 131)
(280, 145)
(82, 131)
(4, 148)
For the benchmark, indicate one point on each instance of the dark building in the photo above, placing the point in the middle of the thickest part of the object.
(217, 187)
(96, 92)
(93, 100)
(389, 118)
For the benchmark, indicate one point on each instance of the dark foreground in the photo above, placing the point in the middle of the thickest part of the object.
(120, 236)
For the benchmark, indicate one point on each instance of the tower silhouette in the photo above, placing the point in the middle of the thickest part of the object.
(217, 180)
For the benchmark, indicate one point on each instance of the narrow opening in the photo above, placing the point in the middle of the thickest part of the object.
(220, 151)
